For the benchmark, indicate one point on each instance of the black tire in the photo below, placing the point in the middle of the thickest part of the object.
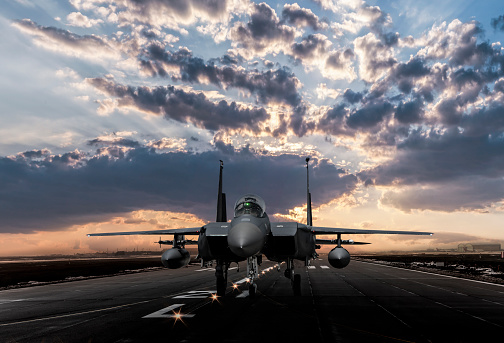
(252, 291)
(221, 286)
(296, 285)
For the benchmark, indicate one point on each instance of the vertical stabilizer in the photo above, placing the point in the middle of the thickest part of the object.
(308, 197)
(221, 199)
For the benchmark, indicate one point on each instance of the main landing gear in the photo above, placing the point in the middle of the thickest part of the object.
(295, 278)
(221, 273)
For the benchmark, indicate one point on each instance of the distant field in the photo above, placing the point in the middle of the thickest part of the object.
(22, 273)
(32, 273)
(476, 266)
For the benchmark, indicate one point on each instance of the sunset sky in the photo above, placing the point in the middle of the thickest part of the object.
(114, 115)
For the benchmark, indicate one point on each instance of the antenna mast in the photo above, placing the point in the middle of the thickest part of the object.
(308, 197)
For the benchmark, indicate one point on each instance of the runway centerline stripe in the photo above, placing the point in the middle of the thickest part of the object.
(74, 314)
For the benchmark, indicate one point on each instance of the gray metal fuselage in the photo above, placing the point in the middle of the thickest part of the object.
(250, 235)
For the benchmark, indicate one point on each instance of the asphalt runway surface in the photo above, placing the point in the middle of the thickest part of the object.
(364, 302)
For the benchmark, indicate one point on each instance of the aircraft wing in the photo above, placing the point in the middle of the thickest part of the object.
(334, 230)
(184, 231)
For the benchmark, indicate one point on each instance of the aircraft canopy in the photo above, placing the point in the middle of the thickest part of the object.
(250, 204)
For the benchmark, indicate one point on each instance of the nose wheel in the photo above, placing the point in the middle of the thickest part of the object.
(252, 274)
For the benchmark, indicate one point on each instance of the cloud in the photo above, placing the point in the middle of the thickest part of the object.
(300, 17)
(279, 85)
(80, 20)
(409, 112)
(352, 97)
(465, 194)
(60, 191)
(434, 157)
(263, 34)
(333, 121)
(175, 15)
(313, 51)
(375, 58)
(456, 42)
(114, 141)
(498, 23)
(324, 92)
(182, 106)
(88, 46)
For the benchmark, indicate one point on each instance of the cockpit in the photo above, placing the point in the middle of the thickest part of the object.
(250, 204)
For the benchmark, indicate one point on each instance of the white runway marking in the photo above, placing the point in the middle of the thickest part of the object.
(11, 301)
(243, 295)
(311, 267)
(195, 295)
(324, 267)
(241, 281)
(232, 268)
(162, 313)
(75, 314)
(204, 270)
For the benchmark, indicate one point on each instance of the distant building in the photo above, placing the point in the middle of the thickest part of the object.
(476, 247)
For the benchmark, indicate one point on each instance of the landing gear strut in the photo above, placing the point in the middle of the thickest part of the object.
(295, 278)
(221, 273)
(252, 274)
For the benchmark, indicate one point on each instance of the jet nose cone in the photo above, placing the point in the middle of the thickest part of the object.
(245, 239)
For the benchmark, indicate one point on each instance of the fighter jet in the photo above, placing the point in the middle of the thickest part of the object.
(250, 235)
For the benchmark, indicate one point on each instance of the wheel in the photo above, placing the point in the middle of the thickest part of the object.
(252, 291)
(221, 286)
(296, 285)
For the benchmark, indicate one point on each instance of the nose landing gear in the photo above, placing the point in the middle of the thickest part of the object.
(252, 274)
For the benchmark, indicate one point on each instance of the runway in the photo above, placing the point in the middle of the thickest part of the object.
(364, 302)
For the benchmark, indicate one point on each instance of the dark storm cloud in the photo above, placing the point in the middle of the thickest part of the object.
(434, 157)
(55, 193)
(370, 115)
(410, 112)
(467, 193)
(352, 97)
(183, 106)
(273, 85)
(295, 15)
(334, 121)
(405, 74)
(498, 23)
(486, 120)
(116, 142)
(298, 124)
(342, 120)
